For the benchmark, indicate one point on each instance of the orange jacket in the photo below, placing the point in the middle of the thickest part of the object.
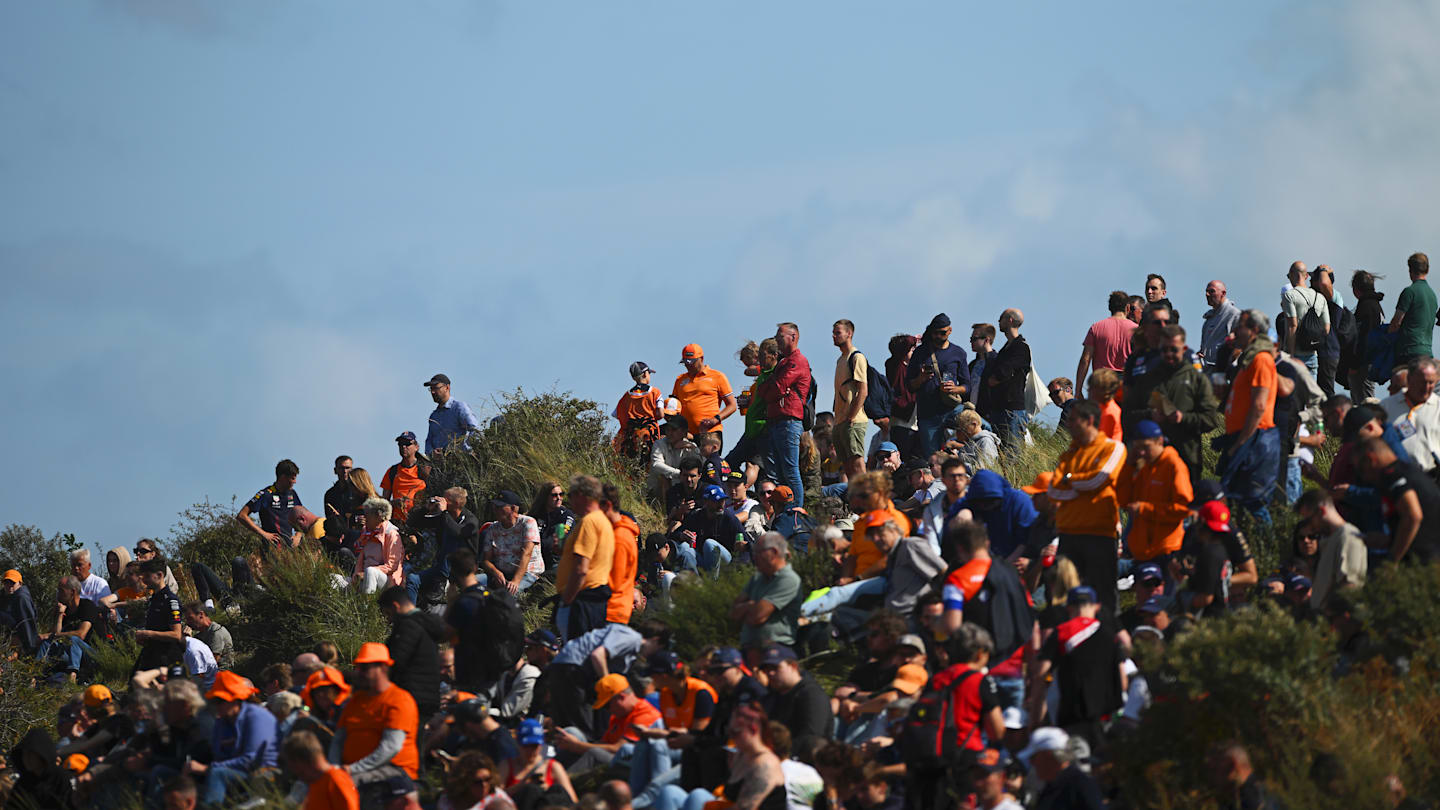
(1084, 488)
(1162, 494)
(623, 569)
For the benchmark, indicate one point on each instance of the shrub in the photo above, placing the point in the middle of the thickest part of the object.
(700, 607)
(23, 706)
(207, 533)
(41, 562)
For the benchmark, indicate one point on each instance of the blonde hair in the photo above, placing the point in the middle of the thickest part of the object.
(1104, 383)
(809, 453)
(360, 479)
(749, 354)
(968, 422)
(1060, 579)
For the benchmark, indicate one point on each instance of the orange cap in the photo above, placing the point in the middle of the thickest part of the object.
(372, 652)
(783, 494)
(96, 694)
(1041, 484)
(231, 687)
(608, 687)
(77, 763)
(910, 678)
(692, 351)
(13, 576)
(872, 519)
(325, 676)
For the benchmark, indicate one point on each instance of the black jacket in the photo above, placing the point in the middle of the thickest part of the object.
(454, 533)
(413, 644)
(47, 787)
(805, 710)
(1008, 371)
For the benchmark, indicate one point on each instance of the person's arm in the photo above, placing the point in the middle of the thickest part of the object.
(728, 407)
(1292, 324)
(994, 721)
(82, 630)
(392, 740)
(1397, 320)
(1085, 356)
(1409, 526)
(394, 552)
(244, 519)
(1038, 688)
(577, 579)
(601, 660)
(740, 608)
(524, 565)
(1206, 416)
(658, 463)
(1107, 471)
(337, 746)
(847, 569)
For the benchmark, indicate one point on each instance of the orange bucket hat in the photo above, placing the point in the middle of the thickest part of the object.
(229, 686)
(325, 676)
(372, 652)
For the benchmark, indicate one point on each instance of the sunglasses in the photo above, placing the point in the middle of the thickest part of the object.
(139, 550)
(557, 494)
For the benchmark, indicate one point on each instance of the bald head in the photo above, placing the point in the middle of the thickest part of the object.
(1011, 320)
(305, 663)
(1298, 270)
(1215, 293)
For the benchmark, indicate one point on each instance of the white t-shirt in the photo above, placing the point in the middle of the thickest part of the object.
(201, 662)
(802, 784)
(94, 588)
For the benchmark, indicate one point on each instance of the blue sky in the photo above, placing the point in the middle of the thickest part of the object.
(236, 232)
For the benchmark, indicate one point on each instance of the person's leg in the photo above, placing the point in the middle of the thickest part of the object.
(1328, 366)
(927, 435)
(686, 557)
(649, 760)
(562, 622)
(697, 799)
(669, 797)
(528, 579)
(1294, 485)
(1312, 362)
(217, 783)
(785, 451)
(568, 704)
(713, 555)
(1360, 386)
(836, 490)
(843, 595)
(650, 796)
(240, 573)
(374, 580)
(412, 587)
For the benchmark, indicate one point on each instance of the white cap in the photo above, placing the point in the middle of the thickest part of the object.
(1048, 738)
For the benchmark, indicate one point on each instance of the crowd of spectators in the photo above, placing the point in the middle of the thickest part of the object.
(995, 621)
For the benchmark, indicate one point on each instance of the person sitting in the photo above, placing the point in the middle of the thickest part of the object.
(666, 455)
(18, 614)
(978, 447)
(796, 698)
(381, 560)
(78, 623)
(533, 772)
(244, 741)
(473, 728)
(714, 534)
(325, 693)
(622, 743)
(328, 787)
(472, 784)
(375, 740)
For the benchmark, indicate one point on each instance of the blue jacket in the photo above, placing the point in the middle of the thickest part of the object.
(1008, 524)
(249, 743)
(18, 616)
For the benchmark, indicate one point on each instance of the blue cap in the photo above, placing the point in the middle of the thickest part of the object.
(1147, 429)
(776, 653)
(408, 437)
(1083, 595)
(543, 638)
(887, 447)
(726, 657)
(712, 492)
(1154, 604)
(1297, 582)
(1148, 571)
(530, 732)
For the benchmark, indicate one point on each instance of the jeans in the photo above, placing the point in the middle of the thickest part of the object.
(1294, 485)
(650, 792)
(1249, 472)
(842, 595)
(1311, 361)
(782, 463)
(217, 783)
(839, 490)
(673, 797)
(1012, 430)
(650, 761)
(67, 650)
(207, 583)
(713, 555)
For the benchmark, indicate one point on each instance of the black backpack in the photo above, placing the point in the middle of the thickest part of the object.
(498, 640)
(1310, 334)
(807, 418)
(927, 741)
(879, 399)
(1344, 328)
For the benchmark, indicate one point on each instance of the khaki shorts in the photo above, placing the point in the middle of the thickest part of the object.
(849, 439)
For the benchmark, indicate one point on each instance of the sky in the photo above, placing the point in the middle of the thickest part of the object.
(239, 232)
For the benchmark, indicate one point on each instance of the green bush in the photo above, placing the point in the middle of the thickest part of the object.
(208, 533)
(41, 562)
(1400, 608)
(700, 607)
(23, 705)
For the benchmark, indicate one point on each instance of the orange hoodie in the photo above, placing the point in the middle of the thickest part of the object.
(623, 570)
(1084, 488)
(1162, 494)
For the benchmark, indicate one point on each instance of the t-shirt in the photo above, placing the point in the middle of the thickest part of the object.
(334, 790)
(1109, 342)
(1260, 373)
(94, 588)
(782, 591)
(509, 545)
(595, 541)
(643, 404)
(930, 400)
(1087, 669)
(1110, 420)
(85, 611)
(1296, 304)
(964, 582)
(1418, 303)
(643, 715)
(1395, 481)
(843, 374)
(273, 508)
(366, 716)
(700, 396)
(163, 613)
(1212, 577)
(402, 482)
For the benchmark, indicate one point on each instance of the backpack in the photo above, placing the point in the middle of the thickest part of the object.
(878, 396)
(1310, 334)
(927, 740)
(497, 640)
(1347, 333)
(807, 418)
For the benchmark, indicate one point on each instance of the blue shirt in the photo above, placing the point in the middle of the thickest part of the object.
(273, 509)
(449, 422)
(251, 742)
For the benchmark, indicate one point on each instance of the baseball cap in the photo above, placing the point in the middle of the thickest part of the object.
(1148, 429)
(873, 519)
(543, 638)
(1216, 516)
(887, 447)
(77, 763)
(1297, 582)
(530, 732)
(408, 437)
(782, 494)
(911, 640)
(910, 678)
(1044, 739)
(14, 576)
(692, 351)
(470, 711)
(231, 687)
(1207, 490)
(608, 687)
(638, 368)
(725, 658)
(506, 498)
(1041, 484)
(96, 694)
(677, 422)
(1146, 572)
(776, 653)
(989, 760)
(1083, 595)
(438, 378)
(665, 662)
(845, 524)
(734, 477)
(712, 492)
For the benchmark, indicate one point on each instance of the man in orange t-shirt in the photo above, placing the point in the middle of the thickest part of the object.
(329, 787)
(705, 397)
(625, 564)
(375, 738)
(583, 574)
(1250, 461)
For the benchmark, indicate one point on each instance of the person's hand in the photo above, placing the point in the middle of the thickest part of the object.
(271, 536)
(1340, 491)
(1021, 564)
(196, 767)
(442, 502)
(681, 740)
(707, 423)
(566, 741)
(513, 586)
(950, 388)
(60, 606)
(844, 580)
(927, 373)
(651, 732)
(1176, 417)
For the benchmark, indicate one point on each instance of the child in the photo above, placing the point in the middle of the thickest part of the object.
(715, 469)
(1104, 383)
(979, 448)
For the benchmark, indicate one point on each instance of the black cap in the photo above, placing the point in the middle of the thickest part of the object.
(940, 321)
(1207, 490)
(506, 498)
(470, 711)
(438, 378)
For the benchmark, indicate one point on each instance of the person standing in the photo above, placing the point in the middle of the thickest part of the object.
(1298, 302)
(705, 397)
(1107, 343)
(273, 504)
(1154, 488)
(1415, 313)
(414, 640)
(405, 480)
(375, 739)
(1369, 315)
(1003, 387)
(982, 345)
(1219, 323)
(939, 376)
(1323, 280)
(1188, 408)
(639, 412)
(583, 574)
(1250, 461)
(785, 393)
(852, 372)
(1087, 515)
(342, 501)
(451, 418)
(162, 641)
(625, 564)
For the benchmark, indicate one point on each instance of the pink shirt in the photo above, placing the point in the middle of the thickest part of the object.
(381, 548)
(1109, 342)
